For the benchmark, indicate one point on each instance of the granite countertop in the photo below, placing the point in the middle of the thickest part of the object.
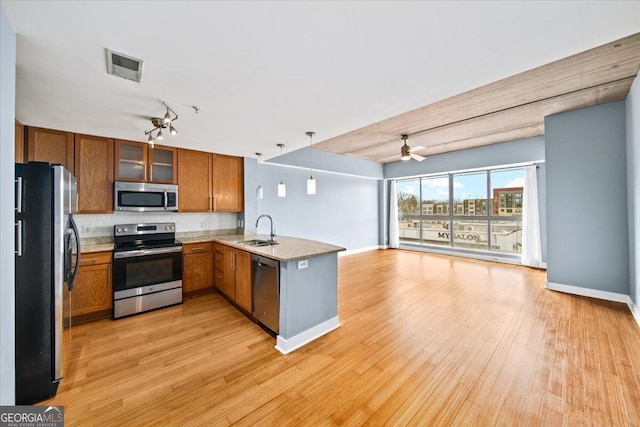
(287, 249)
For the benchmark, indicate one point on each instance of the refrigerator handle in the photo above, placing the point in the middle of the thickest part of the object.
(19, 194)
(19, 237)
(74, 227)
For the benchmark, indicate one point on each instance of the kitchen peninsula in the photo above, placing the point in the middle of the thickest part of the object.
(307, 272)
(308, 279)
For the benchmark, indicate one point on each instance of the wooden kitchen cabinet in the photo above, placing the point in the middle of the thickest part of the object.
(138, 162)
(19, 137)
(53, 146)
(210, 182)
(92, 295)
(225, 270)
(197, 267)
(233, 274)
(244, 291)
(194, 181)
(228, 183)
(94, 173)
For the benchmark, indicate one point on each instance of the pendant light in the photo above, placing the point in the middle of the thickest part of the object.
(282, 189)
(259, 190)
(311, 182)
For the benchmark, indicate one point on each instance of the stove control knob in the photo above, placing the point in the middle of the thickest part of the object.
(119, 230)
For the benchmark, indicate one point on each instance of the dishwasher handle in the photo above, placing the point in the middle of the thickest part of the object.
(260, 261)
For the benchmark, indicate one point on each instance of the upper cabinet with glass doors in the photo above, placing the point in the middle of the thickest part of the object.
(138, 162)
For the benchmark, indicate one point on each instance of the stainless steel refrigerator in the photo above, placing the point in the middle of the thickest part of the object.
(46, 198)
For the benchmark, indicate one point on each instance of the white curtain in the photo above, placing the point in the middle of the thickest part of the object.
(531, 249)
(394, 235)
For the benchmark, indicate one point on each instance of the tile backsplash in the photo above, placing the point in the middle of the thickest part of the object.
(91, 226)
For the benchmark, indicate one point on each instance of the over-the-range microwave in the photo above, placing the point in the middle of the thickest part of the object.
(144, 197)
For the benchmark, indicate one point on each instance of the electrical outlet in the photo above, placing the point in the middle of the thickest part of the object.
(203, 224)
(303, 264)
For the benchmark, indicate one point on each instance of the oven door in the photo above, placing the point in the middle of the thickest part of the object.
(147, 267)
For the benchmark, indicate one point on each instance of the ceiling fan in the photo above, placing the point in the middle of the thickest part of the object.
(407, 152)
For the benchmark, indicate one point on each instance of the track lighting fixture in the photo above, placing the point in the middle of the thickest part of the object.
(162, 123)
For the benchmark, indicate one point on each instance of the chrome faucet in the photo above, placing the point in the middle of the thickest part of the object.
(273, 232)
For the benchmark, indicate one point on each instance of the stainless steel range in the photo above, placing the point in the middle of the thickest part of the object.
(147, 268)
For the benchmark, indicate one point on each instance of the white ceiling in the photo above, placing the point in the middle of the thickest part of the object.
(265, 72)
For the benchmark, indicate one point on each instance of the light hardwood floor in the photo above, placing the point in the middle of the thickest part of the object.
(425, 340)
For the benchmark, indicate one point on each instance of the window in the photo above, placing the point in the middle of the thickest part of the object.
(470, 190)
(479, 211)
(435, 194)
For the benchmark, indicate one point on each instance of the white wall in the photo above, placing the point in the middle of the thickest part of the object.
(7, 176)
(633, 187)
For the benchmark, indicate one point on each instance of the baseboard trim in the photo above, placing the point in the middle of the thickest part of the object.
(594, 293)
(286, 346)
(634, 310)
(587, 292)
(358, 251)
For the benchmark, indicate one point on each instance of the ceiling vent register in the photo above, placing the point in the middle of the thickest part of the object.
(124, 66)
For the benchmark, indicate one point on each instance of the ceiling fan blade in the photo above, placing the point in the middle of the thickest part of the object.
(417, 157)
(418, 148)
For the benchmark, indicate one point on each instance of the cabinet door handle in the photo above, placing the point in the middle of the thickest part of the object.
(198, 248)
(214, 203)
(89, 260)
(233, 259)
(210, 208)
(109, 275)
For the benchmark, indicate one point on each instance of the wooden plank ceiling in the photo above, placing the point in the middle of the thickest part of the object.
(509, 109)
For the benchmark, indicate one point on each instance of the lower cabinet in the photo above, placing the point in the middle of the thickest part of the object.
(244, 292)
(233, 274)
(92, 295)
(197, 267)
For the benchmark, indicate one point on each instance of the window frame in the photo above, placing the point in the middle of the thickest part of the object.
(489, 217)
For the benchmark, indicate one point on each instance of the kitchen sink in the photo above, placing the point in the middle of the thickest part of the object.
(258, 242)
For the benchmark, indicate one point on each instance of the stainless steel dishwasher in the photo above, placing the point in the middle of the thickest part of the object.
(265, 274)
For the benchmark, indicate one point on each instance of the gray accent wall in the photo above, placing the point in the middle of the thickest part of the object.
(344, 212)
(308, 296)
(7, 176)
(633, 188)
(587, 228)
(520, 151)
